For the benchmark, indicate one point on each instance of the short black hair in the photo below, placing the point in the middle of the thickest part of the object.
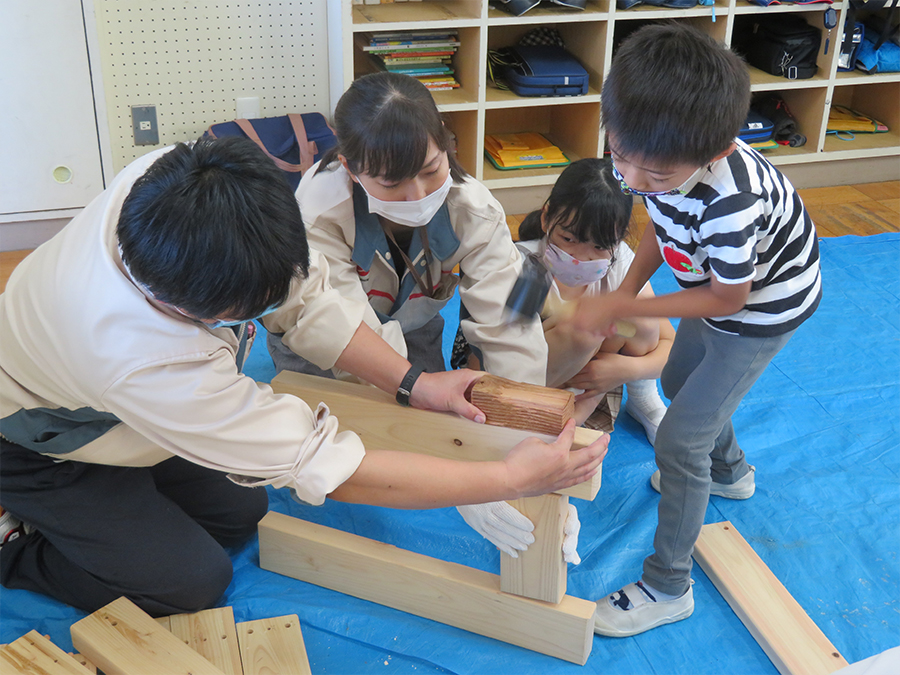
(586, 201)
(675, 95)
(214, 229)
(383, 123)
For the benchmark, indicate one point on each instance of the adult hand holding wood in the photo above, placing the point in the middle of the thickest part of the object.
(446, 391)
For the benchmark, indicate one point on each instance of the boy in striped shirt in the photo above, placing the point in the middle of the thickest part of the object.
(742, 247)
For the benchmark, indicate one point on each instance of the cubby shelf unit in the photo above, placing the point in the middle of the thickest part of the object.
(573, 123)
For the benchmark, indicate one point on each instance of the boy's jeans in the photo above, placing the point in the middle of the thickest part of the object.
(706, 376)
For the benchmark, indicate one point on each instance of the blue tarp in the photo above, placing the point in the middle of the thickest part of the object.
(821, 427)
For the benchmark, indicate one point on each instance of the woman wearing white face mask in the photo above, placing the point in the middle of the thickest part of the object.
(394, 213)
(579, 236)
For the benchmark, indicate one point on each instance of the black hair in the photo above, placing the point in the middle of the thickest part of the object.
(587, 202)
(214, 229)
(383, 123)
(674, 95)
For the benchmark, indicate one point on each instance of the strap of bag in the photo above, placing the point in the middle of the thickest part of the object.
(307, 149)
(427, 289)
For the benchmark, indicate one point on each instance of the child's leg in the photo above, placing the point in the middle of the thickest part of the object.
(707, 375)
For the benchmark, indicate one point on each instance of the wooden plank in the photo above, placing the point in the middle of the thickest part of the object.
(435, 589)
(381, 423)
(539, 572)
(121, 639)
(516, 405)
(889, 189)
(164, 621)
(273, 646)
(83, 660)
(211, 633)
(34, 654)
(778, 623)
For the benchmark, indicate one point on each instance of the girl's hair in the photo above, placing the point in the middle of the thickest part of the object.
(587, 202)
(383, 123)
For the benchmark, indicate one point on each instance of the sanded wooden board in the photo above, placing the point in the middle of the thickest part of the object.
(273, 646)
(33, 654)
(516, 405)
(539, 572)
(210, 633)
(435, 589)
(778, 623)
(381, 423)
(121, 639)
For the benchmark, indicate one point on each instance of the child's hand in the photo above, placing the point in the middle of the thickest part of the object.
(446, 392)
(600, 375)
(597, 315)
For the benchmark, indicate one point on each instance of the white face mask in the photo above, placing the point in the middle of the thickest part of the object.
(570, 271)
(416, 213)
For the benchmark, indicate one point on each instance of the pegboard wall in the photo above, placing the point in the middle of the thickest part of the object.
(193, 58)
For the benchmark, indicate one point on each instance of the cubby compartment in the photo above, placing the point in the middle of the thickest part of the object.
(546, 13)
(438, 13)
(585, 40)
(464, 125)
(878, 100)
(701, 21)
(575, 129)
(719, 9)
(805, 106)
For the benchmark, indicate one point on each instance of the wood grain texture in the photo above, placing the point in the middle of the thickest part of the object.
(778, 623)
(273, 646)
(381, 423)
(540, 572)
(34, 654)
(435, 589)
(83, 660)
(210, 633)
(516, 405)
(121, 639)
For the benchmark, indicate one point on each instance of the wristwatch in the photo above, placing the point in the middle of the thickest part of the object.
(406, 385)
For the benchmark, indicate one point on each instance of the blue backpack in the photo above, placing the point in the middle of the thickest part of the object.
(294, 142)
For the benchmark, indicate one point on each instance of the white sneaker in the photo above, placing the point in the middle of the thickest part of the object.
(634, 609)
(649, 411)
(10, 527)
(743, 489)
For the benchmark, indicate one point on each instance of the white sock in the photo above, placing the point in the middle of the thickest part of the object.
(659, 595)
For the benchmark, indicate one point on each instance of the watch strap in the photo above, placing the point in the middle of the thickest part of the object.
(406, 385)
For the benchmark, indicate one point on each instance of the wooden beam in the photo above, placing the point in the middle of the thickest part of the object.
(121, 639)
(539, 572)
(778, 623)
(516, 405)
(273, 647)
(33, 654)
(381, 423)
(435, 589)
(210, 633)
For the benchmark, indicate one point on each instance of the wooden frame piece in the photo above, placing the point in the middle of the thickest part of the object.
(33, 654)
(121, 639)
(212, 634)
(517, 405)
(381, 423)
(273, 645)
(435, 589)
(778, 623)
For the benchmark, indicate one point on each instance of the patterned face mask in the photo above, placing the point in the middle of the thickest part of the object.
(570, 271)
(680, 190)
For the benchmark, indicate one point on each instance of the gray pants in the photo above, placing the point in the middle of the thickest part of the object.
(706, 377)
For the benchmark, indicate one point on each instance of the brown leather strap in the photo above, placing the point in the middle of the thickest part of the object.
(307, 149)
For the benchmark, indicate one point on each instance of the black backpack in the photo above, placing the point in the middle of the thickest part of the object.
(784, 45)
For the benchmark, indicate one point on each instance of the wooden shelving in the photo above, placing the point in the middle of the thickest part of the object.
(573, 123)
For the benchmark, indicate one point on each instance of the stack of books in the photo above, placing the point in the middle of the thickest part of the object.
(426, 55)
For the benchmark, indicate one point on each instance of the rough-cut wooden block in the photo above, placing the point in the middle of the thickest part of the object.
(381, 423)
(539, 572)
(517, 405)
(210, 633)
(435, 589)
(273, 646)
(33, 654)
(778, 623)
(121, 639)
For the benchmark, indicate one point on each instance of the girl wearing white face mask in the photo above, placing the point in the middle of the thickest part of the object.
(579, 234)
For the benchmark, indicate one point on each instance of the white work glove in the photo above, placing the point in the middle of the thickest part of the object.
(510, 531)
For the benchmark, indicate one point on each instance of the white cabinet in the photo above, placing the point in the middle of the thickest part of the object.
(50, 157)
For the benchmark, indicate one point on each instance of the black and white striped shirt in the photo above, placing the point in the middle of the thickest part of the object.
(741, 220)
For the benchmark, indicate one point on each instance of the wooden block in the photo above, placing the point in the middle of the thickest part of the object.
(211, 633)
(539, 572)
(778, 623)
(85, 662)
(121, 639)
(273, 647)
(33, 654)
(164, 621)
(435, 589)
(517, 405)
(381, 423)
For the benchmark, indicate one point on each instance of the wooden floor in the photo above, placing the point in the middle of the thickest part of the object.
(869, 208)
